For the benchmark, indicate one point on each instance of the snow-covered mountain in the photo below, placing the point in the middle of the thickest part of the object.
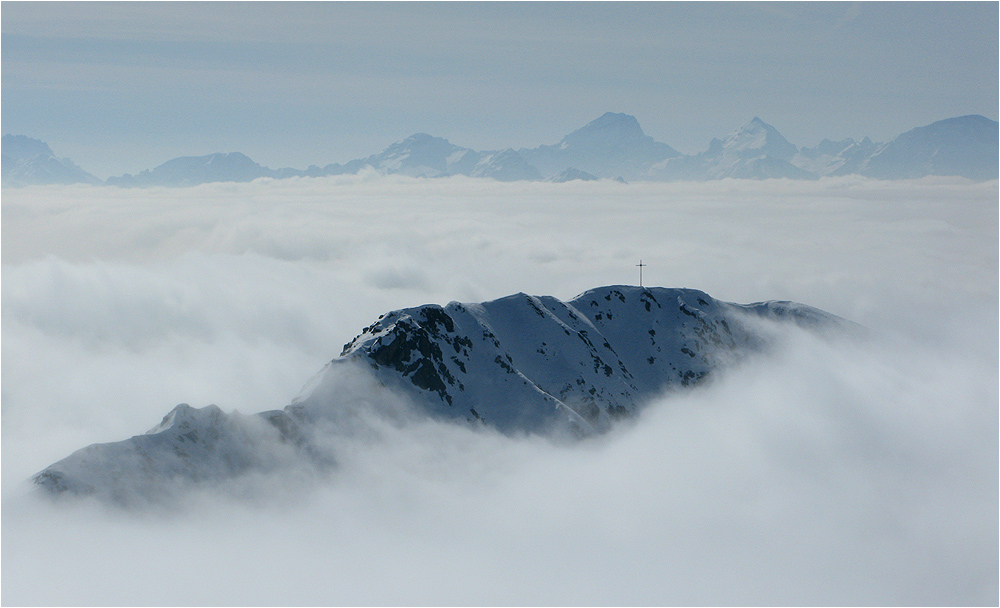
(966, 146)
(613, 145)
(423, 155)
(30, 162)
(572, 174)
(194, 170)
(419, 155)
(754, 151)
(504, 166)
(517, 364)
(835, 157)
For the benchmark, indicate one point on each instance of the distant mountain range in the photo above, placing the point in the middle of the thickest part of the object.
(519, 364)
(611, 147)
(27, 161)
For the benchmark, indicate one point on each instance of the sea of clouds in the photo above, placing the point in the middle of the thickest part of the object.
(826, 473)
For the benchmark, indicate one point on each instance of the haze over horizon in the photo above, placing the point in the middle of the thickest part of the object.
(122, 87)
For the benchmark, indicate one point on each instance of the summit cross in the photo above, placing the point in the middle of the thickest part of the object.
(641, 266)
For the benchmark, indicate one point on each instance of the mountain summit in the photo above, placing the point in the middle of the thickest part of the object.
(28, 161)
(757, 138)
(613, 145)
(423, 155)
(519, 364)
(756, 150)
(194, 170)
(610, 129)
(965, 145)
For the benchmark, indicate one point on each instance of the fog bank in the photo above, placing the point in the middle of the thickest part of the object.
(827, 473)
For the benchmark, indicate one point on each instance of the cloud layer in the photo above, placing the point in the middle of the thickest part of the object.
(824, 474)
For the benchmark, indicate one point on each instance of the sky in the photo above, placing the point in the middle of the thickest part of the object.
(824, 473)
(122, 87)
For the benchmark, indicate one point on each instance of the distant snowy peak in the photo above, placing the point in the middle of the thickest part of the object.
(31, 162)
(518, 364)
(612, 145)
(757, 138)
(504, 166)
(22, 147)
(966, 146)
(419, 155)
(610, 129)
(754, 151)
(843, 157)
(572, 174)
(423, 155)
(195, 170)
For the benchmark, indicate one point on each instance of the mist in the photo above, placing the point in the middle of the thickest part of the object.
(826, 472)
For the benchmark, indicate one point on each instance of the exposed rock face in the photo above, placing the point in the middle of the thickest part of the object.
(598, 356)
(520, 364)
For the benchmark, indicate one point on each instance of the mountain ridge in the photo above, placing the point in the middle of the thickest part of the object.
(27, 161)
(518, 364)
(613, 146)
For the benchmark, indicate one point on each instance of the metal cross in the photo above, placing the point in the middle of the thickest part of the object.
(641, 266)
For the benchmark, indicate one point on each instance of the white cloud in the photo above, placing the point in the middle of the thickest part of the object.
(825, 474)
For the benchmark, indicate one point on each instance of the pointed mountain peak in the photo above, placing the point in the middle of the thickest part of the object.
(757, 136)
(614, 118)
(756, 124)
(421, 138)
(624, 124)
(609, 146)
(22, 146)
(31, 161)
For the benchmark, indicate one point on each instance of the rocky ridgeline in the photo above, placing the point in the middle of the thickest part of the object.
(519, 364)
(613, 146)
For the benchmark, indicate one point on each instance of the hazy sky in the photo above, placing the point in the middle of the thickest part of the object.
(121, 87)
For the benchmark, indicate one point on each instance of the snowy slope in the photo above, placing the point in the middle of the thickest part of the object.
(518, 364)
(599, 355)
(966, 146)
(835, 157)
(756, 150)
(613, 146)
(610, 146)
(423, 155)
(189, 445)
(194, 170)
(572, 174)
(504, 166)
(26, 161)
